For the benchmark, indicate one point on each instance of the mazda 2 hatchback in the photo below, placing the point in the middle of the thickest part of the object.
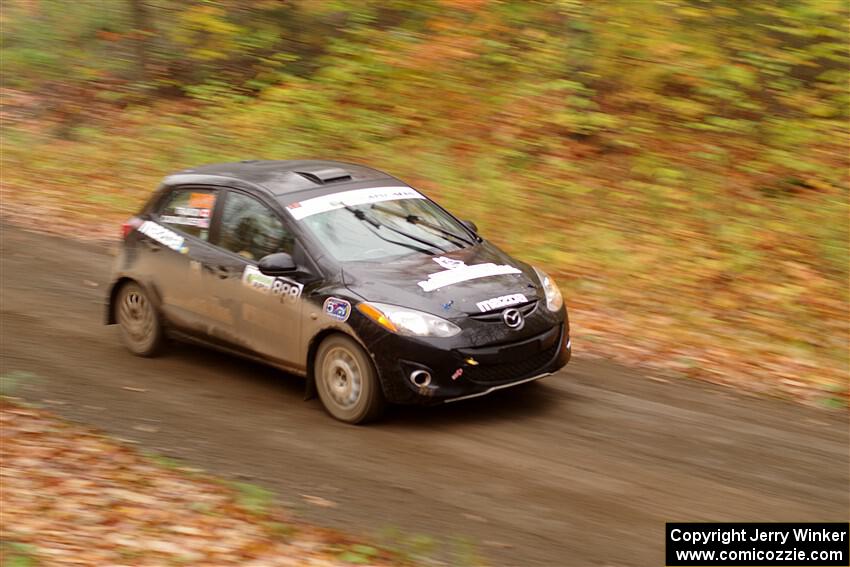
(338, 273)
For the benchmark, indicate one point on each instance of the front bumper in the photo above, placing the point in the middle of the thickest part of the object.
(492, 389)
(459, 373)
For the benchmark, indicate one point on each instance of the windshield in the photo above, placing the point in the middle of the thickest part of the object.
(385, 227)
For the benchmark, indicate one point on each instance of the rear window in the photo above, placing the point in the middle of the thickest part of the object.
(189, 211)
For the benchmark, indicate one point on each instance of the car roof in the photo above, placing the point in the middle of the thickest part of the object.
(278, 177)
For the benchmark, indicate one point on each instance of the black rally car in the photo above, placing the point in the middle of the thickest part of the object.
(339, 273)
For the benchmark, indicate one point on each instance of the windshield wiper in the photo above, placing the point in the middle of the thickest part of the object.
(359, 214)
(416, 219)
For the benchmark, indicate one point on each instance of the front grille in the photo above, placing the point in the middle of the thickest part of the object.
(513, 369)
(496, 316)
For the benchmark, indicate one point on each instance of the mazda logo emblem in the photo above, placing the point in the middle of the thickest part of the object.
(513, 318)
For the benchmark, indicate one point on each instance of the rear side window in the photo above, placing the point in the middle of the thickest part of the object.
(251, 229)
(189, 211)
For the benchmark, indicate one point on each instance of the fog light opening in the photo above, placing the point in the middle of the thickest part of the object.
(420, 378)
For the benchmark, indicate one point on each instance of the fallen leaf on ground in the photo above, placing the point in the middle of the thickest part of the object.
(72, 496)
(319, 501)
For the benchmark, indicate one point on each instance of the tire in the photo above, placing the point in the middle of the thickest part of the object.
(139, 321)
(347, 382)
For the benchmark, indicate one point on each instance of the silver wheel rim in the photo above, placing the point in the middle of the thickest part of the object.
(136, 316)
(343, 377)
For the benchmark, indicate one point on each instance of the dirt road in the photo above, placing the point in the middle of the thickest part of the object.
(583, 468)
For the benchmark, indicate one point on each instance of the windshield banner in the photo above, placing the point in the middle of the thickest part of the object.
(335, 201)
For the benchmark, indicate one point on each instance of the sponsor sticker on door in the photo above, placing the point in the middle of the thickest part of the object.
(288, 290)
(255, 279)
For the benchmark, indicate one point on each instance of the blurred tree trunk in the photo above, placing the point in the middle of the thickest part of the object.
(141, 31)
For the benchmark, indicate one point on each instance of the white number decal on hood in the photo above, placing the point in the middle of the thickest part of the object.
(458, 271)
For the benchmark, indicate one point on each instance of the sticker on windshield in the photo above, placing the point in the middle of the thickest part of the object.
(338, 309)
(202, 200)
(162, 235)
(502, 301)
(316, 205)
(458, 271)
(185, 221)
(192, 212)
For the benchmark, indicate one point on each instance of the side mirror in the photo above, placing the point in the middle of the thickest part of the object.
(470, 225)
(277, 264)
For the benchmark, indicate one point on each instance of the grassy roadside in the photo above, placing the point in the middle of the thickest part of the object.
(749, 291)
(72, 496)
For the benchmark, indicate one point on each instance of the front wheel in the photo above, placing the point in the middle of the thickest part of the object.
(141, 329)
(347, 382)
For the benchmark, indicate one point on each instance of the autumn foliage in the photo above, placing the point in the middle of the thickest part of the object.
(681, 165)
(72, 496)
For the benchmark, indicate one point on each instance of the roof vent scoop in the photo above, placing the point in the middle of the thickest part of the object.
(326, 175)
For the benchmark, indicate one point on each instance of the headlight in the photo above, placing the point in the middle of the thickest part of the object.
(554, 300)
(408, 322)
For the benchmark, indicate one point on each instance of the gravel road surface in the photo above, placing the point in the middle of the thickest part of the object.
(582, 468)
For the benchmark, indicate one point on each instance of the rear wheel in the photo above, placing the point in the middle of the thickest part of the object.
(347, 382)
(141, 328)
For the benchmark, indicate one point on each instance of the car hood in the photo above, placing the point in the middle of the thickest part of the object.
(450, 291)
